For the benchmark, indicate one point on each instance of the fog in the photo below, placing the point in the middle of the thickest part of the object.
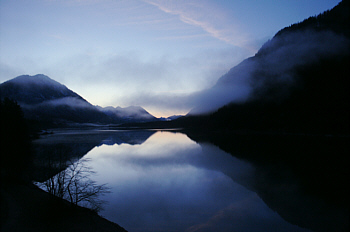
(131, 111)
(68, 101)
(272, 65)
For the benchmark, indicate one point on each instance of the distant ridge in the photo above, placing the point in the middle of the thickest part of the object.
(128, 114)
(51, 103)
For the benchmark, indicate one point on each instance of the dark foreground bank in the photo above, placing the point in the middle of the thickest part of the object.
(25, 207)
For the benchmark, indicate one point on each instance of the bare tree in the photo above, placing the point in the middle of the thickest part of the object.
(75, 185)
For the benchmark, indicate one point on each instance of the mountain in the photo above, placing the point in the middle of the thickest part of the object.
(36, 89)
(51, 103)
(298, 81)
(47, 101)
(170, 118)
(128, 114)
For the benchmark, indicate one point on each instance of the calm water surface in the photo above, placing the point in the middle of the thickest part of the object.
(164, 181)
(171, 183)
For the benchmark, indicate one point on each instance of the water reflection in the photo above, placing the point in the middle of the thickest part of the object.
(72, 144)
(171, 183)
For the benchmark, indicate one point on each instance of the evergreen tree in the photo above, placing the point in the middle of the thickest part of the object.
(15, 143)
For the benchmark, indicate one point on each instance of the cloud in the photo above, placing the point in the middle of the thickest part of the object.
(131, 78)
(274, 65)
(167, 103)
(122, 78)
(78, 2)
(208, 17)
(65, 101)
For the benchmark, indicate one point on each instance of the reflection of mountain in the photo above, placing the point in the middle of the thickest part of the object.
(128, 137)
(66, 145)
(306, 192)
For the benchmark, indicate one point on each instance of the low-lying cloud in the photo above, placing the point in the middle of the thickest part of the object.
(65, 101)
(131, 79)
(274, 64)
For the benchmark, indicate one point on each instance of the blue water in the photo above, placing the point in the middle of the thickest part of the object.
(171, 183)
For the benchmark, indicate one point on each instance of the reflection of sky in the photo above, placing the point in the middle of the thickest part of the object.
(170, 183)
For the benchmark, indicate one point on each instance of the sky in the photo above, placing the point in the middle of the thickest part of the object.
(150, 53)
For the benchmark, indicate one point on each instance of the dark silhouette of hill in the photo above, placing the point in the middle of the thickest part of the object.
(47, 101)
(52, 104)
(336, 20)
(297, 82)
(36, 89)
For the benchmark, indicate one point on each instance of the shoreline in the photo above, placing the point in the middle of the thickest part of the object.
(25, 207)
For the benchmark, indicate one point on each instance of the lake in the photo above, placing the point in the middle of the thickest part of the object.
(164, 181)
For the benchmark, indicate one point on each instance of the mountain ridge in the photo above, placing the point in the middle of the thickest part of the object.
(35, 89)
(297, 82)
(129, 114)
(49, 102)
(309, 41)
